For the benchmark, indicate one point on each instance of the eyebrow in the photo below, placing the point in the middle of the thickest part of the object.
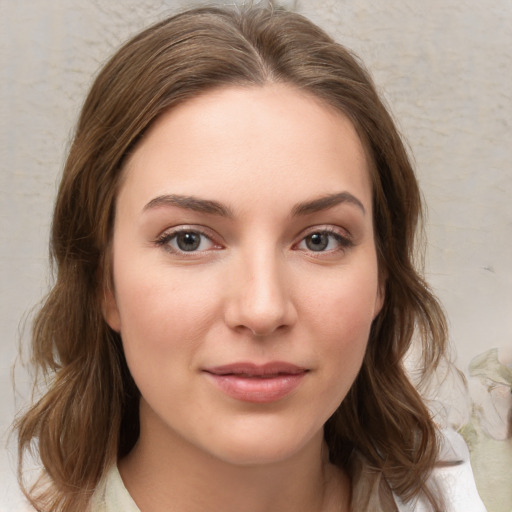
(326, 202)
(189, 203)
(215, 208)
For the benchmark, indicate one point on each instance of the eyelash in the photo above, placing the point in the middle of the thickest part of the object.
(165, 239)
(344, 242)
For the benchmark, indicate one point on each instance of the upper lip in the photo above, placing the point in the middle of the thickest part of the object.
(257, 370)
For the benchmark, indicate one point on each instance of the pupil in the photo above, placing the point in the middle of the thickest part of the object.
(317, 241)
(188, 241)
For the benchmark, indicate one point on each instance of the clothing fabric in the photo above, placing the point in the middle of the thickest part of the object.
(112, 496)
(370, 493)
(452, 480)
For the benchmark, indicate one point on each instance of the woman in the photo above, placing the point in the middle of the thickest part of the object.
(234, 239)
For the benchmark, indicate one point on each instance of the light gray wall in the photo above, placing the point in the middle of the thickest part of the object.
(444, 66)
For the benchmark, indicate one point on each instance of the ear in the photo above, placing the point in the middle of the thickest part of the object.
(380, 296)
(110, 310)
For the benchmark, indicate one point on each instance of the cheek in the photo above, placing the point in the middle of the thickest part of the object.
(341, 312)
(344, 305)
(162, 314)
(164, 320)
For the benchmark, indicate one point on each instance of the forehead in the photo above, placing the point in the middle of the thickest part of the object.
(270, 139)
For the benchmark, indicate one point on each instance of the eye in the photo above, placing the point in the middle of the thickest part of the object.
(186, 240)
(324, 241)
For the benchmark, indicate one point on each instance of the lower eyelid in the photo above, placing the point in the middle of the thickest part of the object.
(342, 243)
(344, 240)
(164, 239)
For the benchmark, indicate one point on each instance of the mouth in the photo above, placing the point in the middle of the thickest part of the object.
(254, 383)
(251, 370)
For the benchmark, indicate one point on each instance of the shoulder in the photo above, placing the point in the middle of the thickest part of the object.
(456, 480)
(452, 477)
(111, 494)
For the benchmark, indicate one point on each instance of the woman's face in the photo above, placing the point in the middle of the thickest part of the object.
(245, 271)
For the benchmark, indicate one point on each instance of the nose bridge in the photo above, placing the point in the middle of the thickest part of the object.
(260, 299)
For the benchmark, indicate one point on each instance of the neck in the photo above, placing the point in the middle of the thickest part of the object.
(165, 472)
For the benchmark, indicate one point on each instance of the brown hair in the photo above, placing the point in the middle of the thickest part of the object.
(88, 416)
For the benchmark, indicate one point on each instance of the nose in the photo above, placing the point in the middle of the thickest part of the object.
(260, 296)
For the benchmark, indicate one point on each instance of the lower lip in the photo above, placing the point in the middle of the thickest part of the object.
(255, 389)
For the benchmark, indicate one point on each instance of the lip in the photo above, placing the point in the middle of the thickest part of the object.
(255, 383)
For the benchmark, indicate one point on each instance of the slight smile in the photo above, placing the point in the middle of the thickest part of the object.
(249, 382)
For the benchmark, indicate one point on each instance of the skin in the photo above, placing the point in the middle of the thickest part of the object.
(257, 289)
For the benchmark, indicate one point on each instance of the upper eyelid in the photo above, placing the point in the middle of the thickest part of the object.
(203, 230)
(325, 228)
(217, 238)
(344, 238)
(170, 233)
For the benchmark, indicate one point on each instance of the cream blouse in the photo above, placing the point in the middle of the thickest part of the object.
(369, 493)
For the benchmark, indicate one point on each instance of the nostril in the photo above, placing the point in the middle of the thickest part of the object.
(259, 324)
(259, 298)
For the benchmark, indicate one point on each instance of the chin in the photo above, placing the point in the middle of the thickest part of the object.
(254, 448)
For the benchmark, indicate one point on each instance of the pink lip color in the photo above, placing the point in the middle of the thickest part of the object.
(257, 383)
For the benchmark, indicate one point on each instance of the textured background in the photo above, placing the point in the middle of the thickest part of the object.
(445, 69)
